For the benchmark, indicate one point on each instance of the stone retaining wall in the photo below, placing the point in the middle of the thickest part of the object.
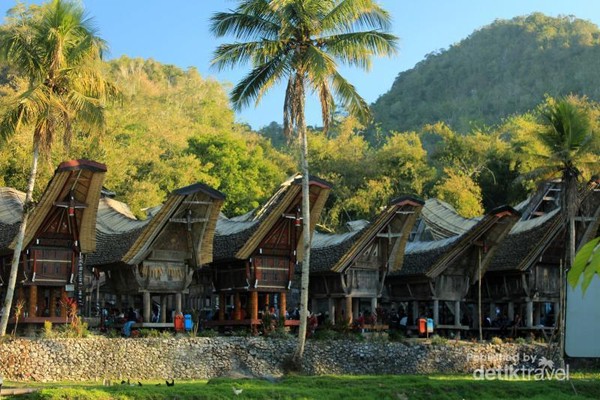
(204, 358)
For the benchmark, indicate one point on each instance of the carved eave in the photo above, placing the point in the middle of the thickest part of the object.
(190, 215)
(393, 225)
(70, 199)
(288, 198)
(484, 236)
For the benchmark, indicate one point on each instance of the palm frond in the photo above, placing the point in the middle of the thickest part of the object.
(231, 55)
(249, 87)
(349, 15)
(350, 98)
(357, 48)
(252, 19)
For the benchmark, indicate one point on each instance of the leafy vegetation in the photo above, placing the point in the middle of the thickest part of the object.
(173, 127)
(503, 69)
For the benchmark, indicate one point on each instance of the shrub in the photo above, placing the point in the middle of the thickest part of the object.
(149, 333)
(520, 340)
(396, 335)
(48, 332)
(496, 340)
(438, 340)
(279, 333)
(208, 333)
(325, 334)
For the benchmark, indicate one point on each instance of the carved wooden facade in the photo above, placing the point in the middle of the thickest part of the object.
(158, 256)
(352, 267)
(59, 234)
(525, 276)
(256, 255)
(437, 275)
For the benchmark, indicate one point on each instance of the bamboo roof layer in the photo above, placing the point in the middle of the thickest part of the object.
(337, 252)
(443, 221)
(430, 259)
(238, 237)
(206, 203)
(79, 181)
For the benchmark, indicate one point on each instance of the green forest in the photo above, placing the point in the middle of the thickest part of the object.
(171, 127)
(505, 68)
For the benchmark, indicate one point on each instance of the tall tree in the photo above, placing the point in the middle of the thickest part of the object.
(56, 49)
(302, 42)
(566, 134)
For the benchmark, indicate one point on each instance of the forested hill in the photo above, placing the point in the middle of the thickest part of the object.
(501, 69)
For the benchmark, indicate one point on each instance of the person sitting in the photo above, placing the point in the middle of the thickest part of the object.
(131, 319)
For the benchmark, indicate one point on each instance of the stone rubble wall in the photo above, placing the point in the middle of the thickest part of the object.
(98, 358)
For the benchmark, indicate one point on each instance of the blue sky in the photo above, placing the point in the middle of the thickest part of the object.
(176, 32)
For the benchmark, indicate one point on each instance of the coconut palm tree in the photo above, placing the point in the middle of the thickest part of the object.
(56, 50)
(302, 43)
(566, 134)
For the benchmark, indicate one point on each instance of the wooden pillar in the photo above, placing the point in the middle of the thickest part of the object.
(355, 307)
(492, 311)
(33, 300)
(253, 305)
(436, 312)
(511, 311)
(147, 301)
(537, 308)
(415, 312)
(63, 296)
(118, 303)
(237, 304)
(331, 310)
(457, 317)
(282, 305)
(373, 305)
(529, 314)
(52, 302)
(41, 302)
(178, 303)
(349, 314)
(222, 305)
(557, 313)
(163, 308)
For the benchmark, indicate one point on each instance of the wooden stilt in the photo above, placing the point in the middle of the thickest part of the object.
(147, 301)
(222, 305)
(163, 308)
(282, 305)
(237, 310)
(349, 313)
(33, 300)
(52, 302)
(63, 306)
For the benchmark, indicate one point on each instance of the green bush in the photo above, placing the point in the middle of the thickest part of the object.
(396, 335)
(325, 334)
(496, 340)
(208, 333)
(150, 333)
(438, 340)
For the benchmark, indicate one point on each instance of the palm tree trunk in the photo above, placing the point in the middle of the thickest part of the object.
(14, 269)
(304, 281)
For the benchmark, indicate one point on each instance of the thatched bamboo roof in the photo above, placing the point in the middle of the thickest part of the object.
(125, 240)
(238, 238)
(75, 183)
(443, 221)
(431, 258)
(337, 252)
(199, 200)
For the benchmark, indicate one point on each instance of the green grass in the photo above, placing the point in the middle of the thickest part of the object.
(404, 387)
